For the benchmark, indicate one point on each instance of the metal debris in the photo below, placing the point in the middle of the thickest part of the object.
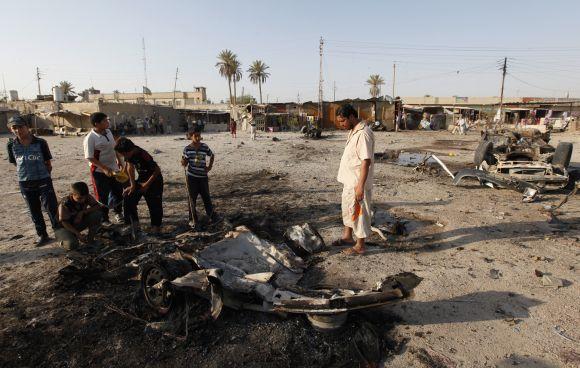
(243, 271)
(306, 238)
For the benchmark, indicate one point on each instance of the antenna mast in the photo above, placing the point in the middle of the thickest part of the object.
(320, 89)
(4, 87)
(144, 62)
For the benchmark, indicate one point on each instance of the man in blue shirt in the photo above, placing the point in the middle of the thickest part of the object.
(31, 156)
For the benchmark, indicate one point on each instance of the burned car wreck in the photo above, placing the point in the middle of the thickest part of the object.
(243, 271)
(522, 161)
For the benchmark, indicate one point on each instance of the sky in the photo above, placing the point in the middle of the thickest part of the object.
(440, 48)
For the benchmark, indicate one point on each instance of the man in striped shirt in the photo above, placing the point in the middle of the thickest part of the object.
(195, 159)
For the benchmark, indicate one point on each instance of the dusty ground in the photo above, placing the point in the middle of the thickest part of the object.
(461, 316)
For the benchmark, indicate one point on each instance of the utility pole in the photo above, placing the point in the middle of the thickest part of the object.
(320, 89)
(175, 85)
(242, 96)
(394, 76)
(334, 92)
(298, 98)
(504, 72)
(38, 79)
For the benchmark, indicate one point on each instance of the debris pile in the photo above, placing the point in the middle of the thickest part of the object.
(522, 161)
(238, 271)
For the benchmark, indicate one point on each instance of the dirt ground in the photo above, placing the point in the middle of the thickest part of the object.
(480, 303)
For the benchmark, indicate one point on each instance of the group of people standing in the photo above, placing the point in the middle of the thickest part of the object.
(142, 126)
(121, 174)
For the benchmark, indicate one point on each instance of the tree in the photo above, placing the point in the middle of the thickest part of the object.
(237, 76)
(375, 81)
(246, 99)
(67, 89)
(225, 67)
(258, 74)
(90, 91)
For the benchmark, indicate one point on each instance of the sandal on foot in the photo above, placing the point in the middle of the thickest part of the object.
(342, 243)
(352, 252)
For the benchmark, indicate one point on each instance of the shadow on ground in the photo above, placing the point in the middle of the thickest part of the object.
(480, 306)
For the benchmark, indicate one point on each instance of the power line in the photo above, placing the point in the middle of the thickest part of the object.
(455, 71)
(536, 86)
(431, 47)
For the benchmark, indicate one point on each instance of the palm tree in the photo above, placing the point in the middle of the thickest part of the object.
(224, 65)
(375, 81)
(237, 76)
(67, 87)
(258, 74)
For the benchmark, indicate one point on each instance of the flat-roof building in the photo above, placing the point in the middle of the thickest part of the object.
(177, 99)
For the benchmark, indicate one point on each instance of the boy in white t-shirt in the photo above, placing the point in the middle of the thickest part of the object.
(99, 149)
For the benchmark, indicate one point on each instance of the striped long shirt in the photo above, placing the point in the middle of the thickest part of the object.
(197, 160)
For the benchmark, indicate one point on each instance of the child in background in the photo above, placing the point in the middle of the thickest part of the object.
(233, 127)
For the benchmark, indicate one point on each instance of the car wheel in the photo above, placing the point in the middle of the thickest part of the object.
(158, 299)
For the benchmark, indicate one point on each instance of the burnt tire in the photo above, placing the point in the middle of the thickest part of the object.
(483, 152)
(159, 300)
(562, 155)
(304, 129)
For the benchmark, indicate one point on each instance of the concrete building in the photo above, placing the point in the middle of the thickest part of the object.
(74, 116)
(5, 115)
(182, 99)
(449, 109)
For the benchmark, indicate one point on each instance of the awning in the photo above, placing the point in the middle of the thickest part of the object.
(459, 108)
(67, 112)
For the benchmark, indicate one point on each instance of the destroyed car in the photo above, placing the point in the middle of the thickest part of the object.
(521, 160)
(243, 271)
(311, 131)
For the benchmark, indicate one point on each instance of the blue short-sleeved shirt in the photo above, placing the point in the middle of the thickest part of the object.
(30, 160)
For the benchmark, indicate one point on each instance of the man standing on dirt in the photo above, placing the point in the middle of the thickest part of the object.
(356, 174)
(99, 148)
(31, 156)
